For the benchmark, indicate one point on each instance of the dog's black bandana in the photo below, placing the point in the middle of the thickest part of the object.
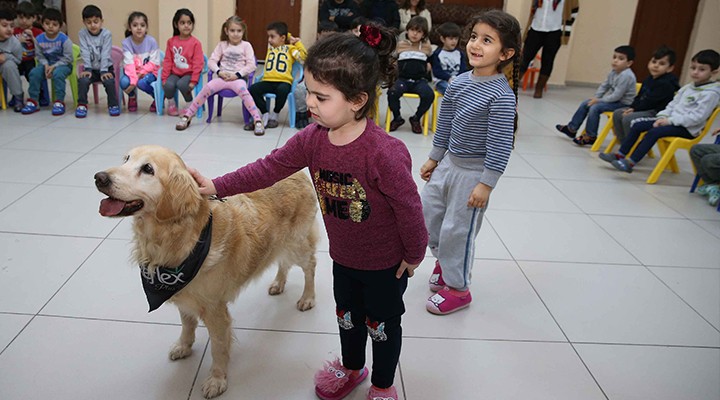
(164, 282)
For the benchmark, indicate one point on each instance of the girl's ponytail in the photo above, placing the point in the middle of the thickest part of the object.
(384, 42)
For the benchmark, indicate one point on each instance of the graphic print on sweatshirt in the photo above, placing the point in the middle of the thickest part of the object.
(179, 60)
(341, 195)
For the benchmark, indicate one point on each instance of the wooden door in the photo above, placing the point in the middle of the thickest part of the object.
(658, 22)
(258, 14)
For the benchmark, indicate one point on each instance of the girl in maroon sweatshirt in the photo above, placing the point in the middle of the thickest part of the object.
(369, 201)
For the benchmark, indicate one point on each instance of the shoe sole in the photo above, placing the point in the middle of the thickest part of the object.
(434, 310)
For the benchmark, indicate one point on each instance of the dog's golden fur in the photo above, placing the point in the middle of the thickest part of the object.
(249, 233)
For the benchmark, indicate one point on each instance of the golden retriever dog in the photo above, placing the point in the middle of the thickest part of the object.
(249, 233)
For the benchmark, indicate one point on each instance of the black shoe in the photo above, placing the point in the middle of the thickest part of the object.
(584, 140)
(415, 125)
(250, 126)
(609, 157)
(396, 123)
(19, 104)
(566, 130)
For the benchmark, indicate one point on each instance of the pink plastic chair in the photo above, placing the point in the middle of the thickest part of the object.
(117, 60)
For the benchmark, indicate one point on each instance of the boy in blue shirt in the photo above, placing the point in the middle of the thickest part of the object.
(618, 90)
(96, 50)
(447, 61)
(55, 58)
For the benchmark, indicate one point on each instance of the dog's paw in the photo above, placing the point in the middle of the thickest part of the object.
(276, 288)
(305, 304)
(178, 351)
(213, 387)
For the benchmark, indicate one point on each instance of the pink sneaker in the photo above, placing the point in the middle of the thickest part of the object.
(172, 109)
(436, 281)
(334, 381)
(132, 104)
(376, 393)
(448, 301)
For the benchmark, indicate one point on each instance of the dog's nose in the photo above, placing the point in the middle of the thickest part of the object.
(102, 179)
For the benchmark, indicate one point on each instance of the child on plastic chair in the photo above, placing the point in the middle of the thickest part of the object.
(184, 60)
(141, 57)
(232, 61)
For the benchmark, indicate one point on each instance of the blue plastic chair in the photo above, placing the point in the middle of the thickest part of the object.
(160, 93)
(297, 72)
(226, 93)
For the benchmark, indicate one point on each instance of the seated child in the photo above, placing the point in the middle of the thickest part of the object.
(618, 90)
(283, 51)
(25, 32)
(96, 54)
(683, 117)
(10, 55)
(413, 54)
(55, 58)
(447, 61)
(655, 93)
(141, 59)
(706, 159)
(301, 111)
(184, 60)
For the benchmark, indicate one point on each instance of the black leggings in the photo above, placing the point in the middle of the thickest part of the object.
(370, 302)
(550, 44)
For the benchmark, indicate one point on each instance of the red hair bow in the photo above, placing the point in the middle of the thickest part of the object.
(370, 35)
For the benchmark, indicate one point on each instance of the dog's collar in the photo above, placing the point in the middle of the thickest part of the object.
(163, 282)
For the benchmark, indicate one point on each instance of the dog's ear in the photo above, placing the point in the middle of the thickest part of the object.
(180, 196)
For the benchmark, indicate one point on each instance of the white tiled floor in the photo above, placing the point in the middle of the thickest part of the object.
(588, 284)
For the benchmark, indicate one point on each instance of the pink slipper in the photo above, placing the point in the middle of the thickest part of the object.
(448, 301)
(436, 281)
(382, 394)
(334, 381)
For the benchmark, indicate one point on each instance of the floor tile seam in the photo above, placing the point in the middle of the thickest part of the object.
(197, 371)
(51, 234)
(36, 185)
(661, 200)
(489, 339)
(682, 299)
(704, 228)
(14, 338)
(581, 211)
(613, 238)
(660, 345)
(682, 267)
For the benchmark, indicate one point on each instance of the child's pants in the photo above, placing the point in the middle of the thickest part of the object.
(11, 74)
(706, 158)
(651, 137)
(621, 123)
(238, 86)
(280, 89)
(181, 83)
(441, 86)
(451, 223)
(419, 87)
(593, 116)
(370, 302)
(144, 84)
(59, 74)
(109, 84)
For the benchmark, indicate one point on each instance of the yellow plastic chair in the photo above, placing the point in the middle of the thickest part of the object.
(669, 145)
(436, 110)
(3, 103)
(375, 113)
(609, 125)
(425, 118)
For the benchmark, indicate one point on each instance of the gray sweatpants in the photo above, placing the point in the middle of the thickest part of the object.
(452, 225)
(11, 75)
(181, 83)
(621, 123)
(706, 158)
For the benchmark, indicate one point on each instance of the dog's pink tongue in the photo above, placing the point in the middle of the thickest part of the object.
(110, 207)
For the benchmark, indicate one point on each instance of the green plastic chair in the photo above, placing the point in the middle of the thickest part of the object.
(73, 77)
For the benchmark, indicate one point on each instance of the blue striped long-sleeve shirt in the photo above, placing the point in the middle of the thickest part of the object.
(476, 120)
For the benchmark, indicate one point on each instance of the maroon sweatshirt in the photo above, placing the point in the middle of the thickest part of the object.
(369, 201)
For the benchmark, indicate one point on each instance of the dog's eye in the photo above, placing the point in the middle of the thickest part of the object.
(126, 158)
(148, 169)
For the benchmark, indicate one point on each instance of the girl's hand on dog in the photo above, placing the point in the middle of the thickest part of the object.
(207, 187)
(404, 266)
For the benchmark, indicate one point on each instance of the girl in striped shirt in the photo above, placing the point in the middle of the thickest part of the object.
(471, 148)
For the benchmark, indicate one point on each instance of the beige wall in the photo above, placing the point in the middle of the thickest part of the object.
(602, 25)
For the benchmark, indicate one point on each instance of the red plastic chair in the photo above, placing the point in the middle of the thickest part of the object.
(117, 60)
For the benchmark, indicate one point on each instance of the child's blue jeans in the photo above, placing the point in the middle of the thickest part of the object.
(144, 84)
(441, 86)
(37, 75)
(593, 115)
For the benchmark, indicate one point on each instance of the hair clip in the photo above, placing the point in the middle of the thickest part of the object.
(370, 35)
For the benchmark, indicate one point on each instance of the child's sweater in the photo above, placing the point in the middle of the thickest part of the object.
(412, 59)
(27, 44)
(57, 51)
(279, 62)
(96, 50)
(617, 87)
(183, 57)
(143, 57)
(238, 58)
(368, 198)
(12, 49)
(655, 93)
(692, 106)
